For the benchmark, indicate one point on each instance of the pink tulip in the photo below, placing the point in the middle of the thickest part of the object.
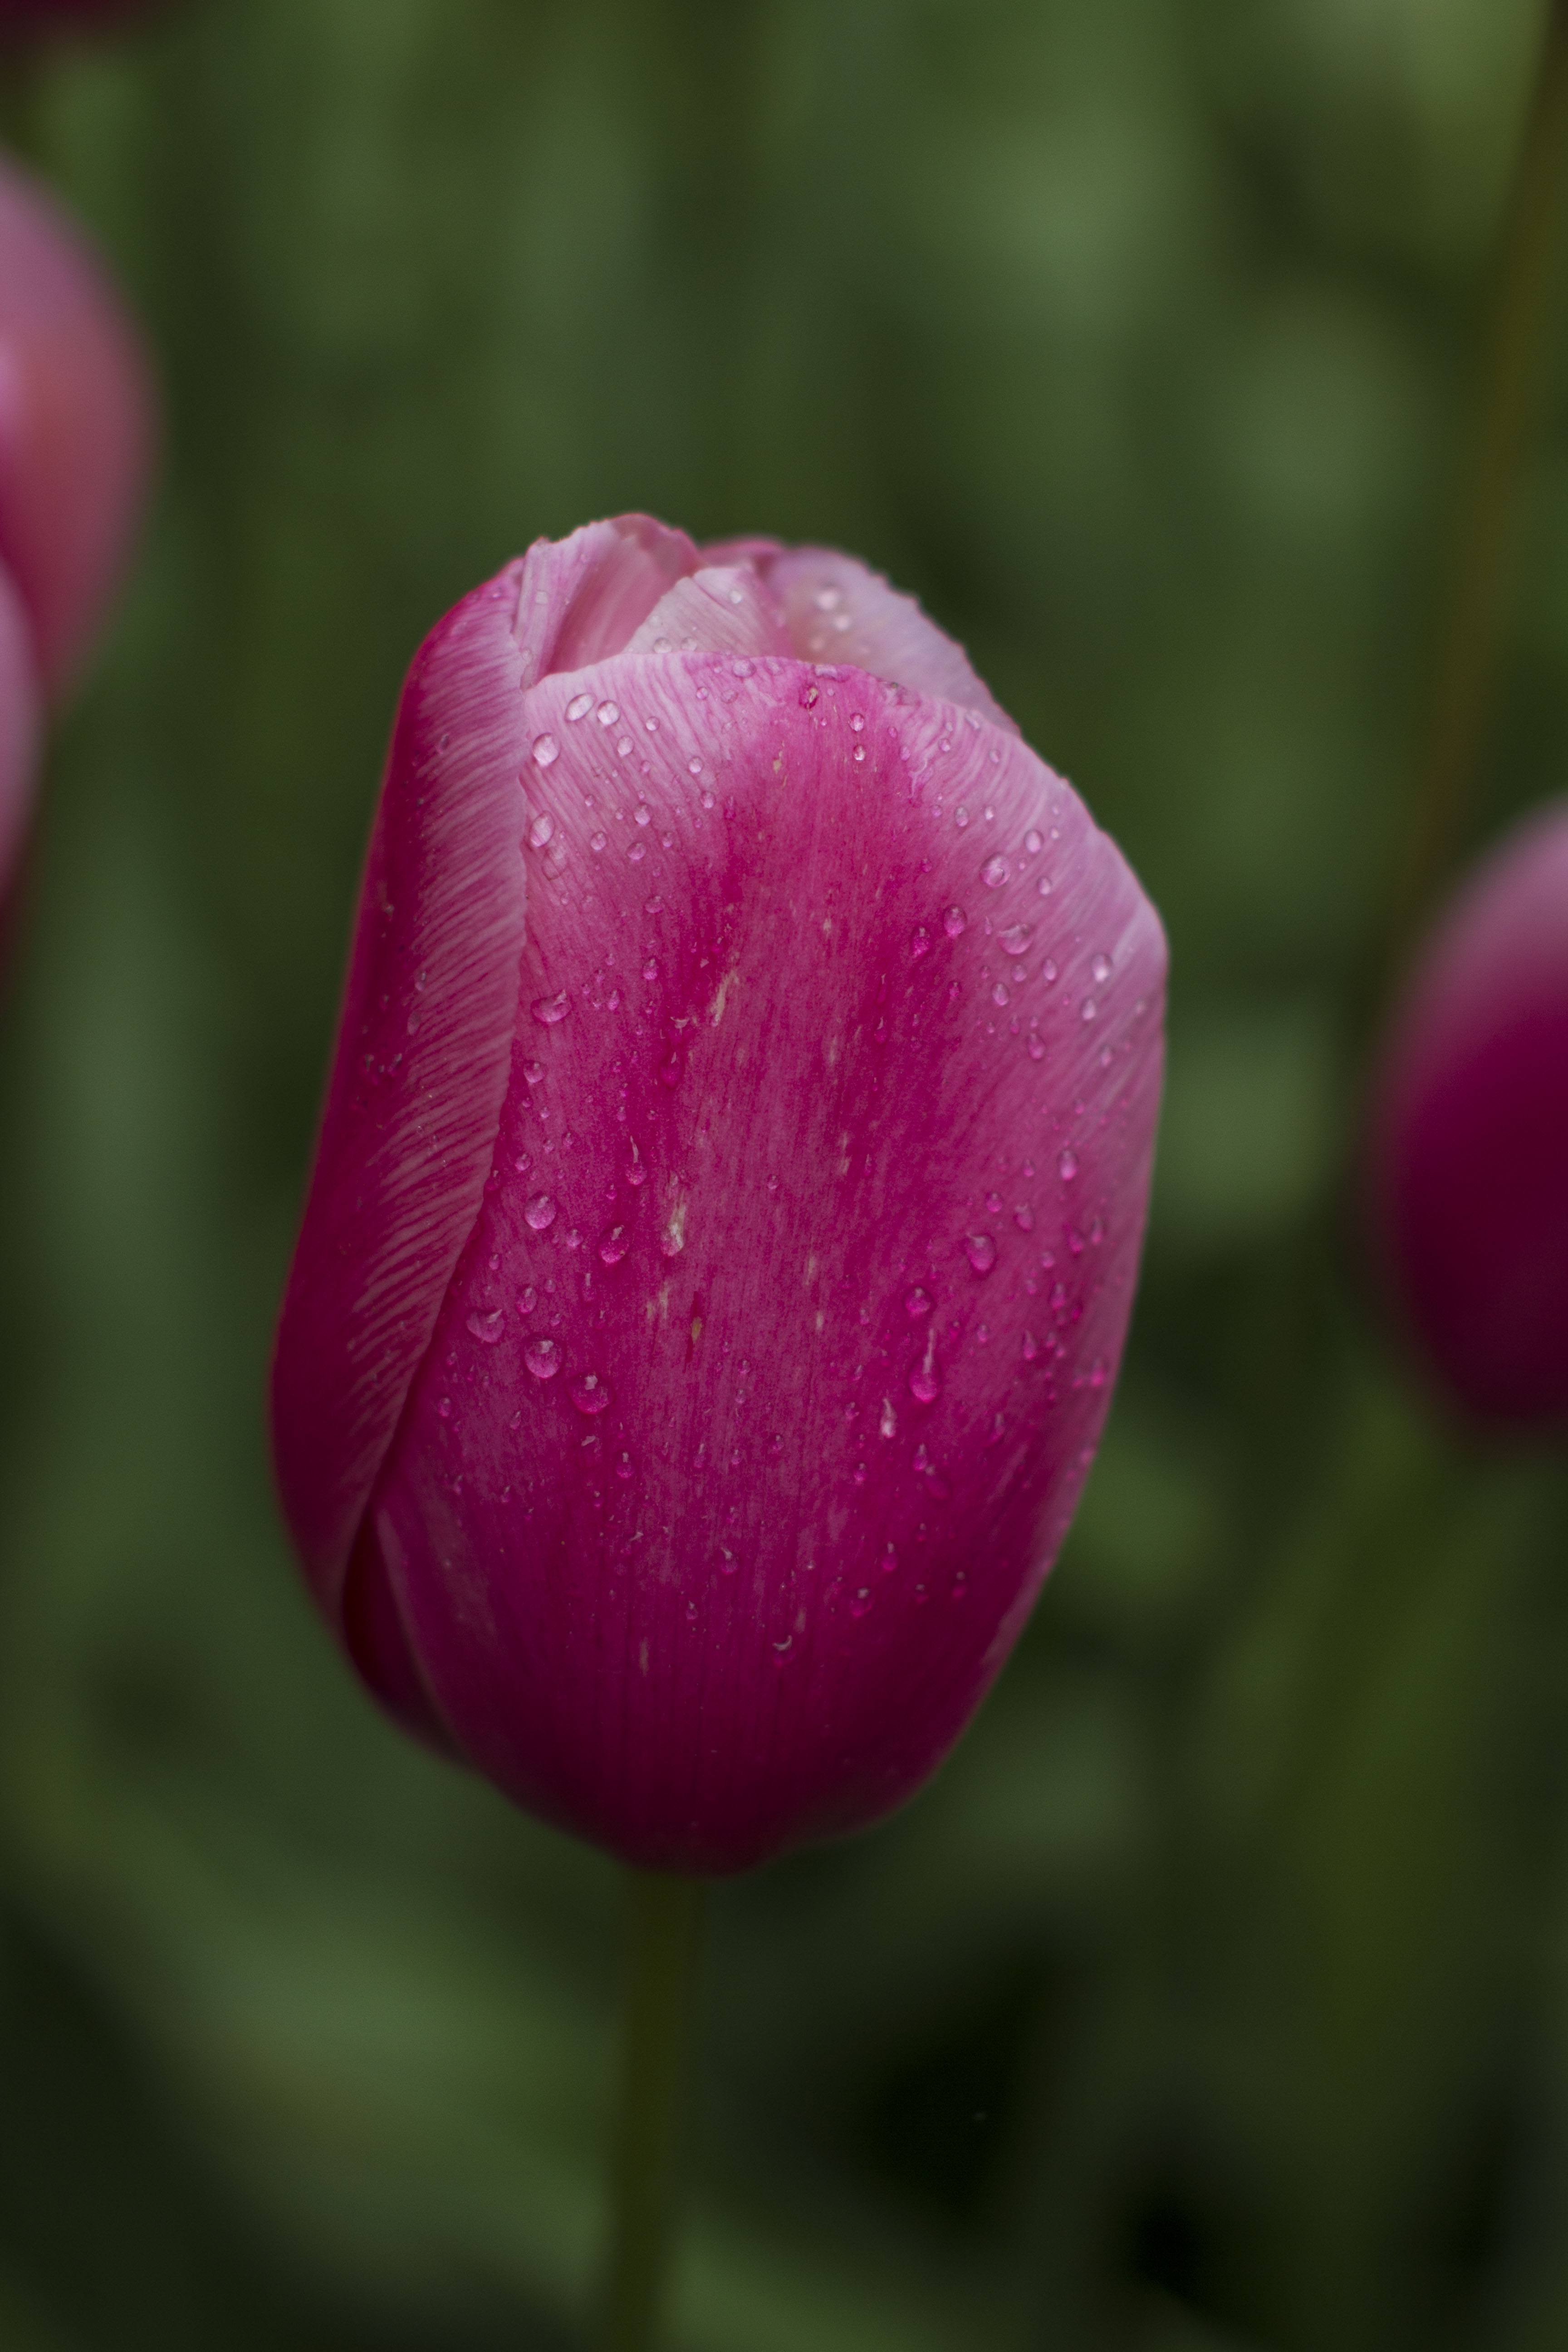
(729, 1197)
(76, 425)
(1468, 1168)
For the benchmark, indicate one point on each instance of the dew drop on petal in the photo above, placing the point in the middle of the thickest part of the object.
(445, 1408)
(636, 1171)
(1031, 1347)
(961, 818)
(1037, 1048)
(999, 995)
(542, 1357)
(540, 1213)
(954, 922)
(694, 767)
(1024, 1218)
(917, 1302)
(1034, 843)
(596, 841)
(920, 941)
(1101, 970)
(527, 1300)
(579, 707)
(925, 1385)
(862, 1602)
(888, 1421)
(534, 1072)
(1067, 1163)
(980, 1249)
(488, 1328)
(650, 969)
(546, 752)
(1088, 1009)
(607, 713)
(615, 1245)
(589, 1394)
(550, 1009)
(994, 872)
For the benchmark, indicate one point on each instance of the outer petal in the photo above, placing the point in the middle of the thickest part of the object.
(18, 731)
(720, 609)
(76, 423)
(836, 610)
(1469, 1149)
(416, 1094)
(822, 1180)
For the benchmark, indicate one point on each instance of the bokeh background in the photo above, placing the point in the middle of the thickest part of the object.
(1216, 1995)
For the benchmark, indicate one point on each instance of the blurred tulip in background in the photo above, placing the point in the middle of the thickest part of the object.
(1468, 1160)
(728, 1207)
(77, 424)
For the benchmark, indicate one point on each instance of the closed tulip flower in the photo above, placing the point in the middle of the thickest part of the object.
(1467, 1167)
(76, 426)
(728, 1201)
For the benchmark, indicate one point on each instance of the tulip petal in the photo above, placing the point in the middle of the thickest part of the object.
(837, 611)
(770, 1371)
(409, 1128)
(19, 729)
(720, 609)
(76, 425)
(618, 571)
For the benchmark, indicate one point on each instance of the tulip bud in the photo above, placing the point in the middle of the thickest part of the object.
(76, 425)
(1468, 1159)
(729, 1196)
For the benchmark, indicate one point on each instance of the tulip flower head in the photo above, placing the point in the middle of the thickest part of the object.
(76, 426)
(729, 1196)
(1468, 1165)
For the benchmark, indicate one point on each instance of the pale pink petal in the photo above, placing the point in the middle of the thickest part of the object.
(622, 569)
(19, 728)
(837, 611)
(77, 424)
(423, 1052)
(719, 610)
(768, 1376)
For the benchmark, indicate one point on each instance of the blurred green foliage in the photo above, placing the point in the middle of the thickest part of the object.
(1217, 1993)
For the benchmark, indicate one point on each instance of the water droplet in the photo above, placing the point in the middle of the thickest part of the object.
(1099, 970)
(623, 1467)
(707, 799)
(1037, 1048)
(994, 872)
(534, 1072)
(827, 599)
(579, 707)
(1067, 1163)
(596, 841)
(862, 1602)
(859, 752)
(1034, 843)
(694, 767)
(540, 1213)
(637, 852)
(993, 1204)
(642, 814)
(887, 1422)
(1016, 938)
(741, 668)
(1031, 1347)
(589, 1394)
(1088, 1009)
(1047, 971)
(961, 818)
(607, 714)
(782, 1649)
(650, 969)
(488, 1327)
(445, 1408)
(546, 752)
(925, 1384)
(980, 1249)
(1024, 1218)
(999, 995)
(527, 1300)
(615, 1245)
(542, 1357)
(549, 1010)
(637, 1173)
(917, 1302)
(954, 922)
(920, 941)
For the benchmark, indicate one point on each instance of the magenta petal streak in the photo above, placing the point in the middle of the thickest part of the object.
(708, 1306)
(18, 729)
(1469, 1163)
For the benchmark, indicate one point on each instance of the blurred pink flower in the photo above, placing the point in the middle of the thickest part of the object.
(77, 424)
(1468, 1166)
(18, 733)
(729, 1197)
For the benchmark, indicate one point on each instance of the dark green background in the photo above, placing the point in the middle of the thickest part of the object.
(1217, 1993)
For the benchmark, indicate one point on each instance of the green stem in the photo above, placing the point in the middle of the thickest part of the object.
(1508, 401)
(663, 1919)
